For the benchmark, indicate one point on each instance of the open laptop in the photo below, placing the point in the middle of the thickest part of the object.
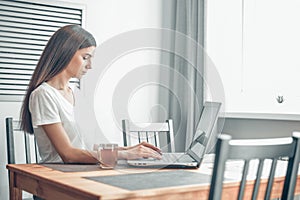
(194, 154)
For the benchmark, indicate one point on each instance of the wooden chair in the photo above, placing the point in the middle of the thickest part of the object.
(261, 149)
(134, 133)
(13, 132)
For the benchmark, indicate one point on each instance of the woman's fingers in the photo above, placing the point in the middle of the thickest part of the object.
(145, 151)
(142, 150)
(146, 144)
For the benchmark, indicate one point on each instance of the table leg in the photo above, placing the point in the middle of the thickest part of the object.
(14, 192)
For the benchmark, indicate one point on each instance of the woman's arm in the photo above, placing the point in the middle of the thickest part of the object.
(60, 140)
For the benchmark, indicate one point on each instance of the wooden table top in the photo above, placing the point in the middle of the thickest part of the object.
(73, 182)
(78, 183)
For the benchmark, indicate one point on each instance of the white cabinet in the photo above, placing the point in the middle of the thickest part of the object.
(255, 45)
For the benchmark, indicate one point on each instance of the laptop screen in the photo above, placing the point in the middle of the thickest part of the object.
(204, 130)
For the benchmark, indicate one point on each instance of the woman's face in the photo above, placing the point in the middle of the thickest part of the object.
(80, 63)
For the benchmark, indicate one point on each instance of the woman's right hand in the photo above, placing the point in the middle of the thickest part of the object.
(142, 150)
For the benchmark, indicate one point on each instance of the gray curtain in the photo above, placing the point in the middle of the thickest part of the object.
(183, 98)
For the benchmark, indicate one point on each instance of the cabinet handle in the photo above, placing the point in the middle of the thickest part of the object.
(280, 99)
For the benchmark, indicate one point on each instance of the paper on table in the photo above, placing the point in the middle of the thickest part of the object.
(233, 168)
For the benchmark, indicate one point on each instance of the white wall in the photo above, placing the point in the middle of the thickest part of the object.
(108, 20)
(104, 19)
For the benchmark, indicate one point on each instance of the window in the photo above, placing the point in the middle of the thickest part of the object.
(25, 28)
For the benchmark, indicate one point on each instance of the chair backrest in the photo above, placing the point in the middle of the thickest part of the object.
(134, 133)
(261, 149)
(14, 134)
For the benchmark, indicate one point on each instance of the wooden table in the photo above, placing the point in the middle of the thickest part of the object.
(50, 183)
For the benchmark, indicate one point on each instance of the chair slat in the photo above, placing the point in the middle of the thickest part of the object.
(171, 131)
(244, 179)
(271, 179)
(218, 170)
(147, 137)
(292, 171)
(36, 149)
(139, 136)
(27, 148)
(157, 139)
(10, 141)
(126, 132)
(258, 177)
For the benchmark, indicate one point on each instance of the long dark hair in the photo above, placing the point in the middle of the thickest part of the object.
(57, 54)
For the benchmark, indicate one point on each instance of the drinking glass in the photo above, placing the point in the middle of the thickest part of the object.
(107, 155)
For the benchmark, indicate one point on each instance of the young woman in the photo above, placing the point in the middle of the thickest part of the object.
(47, 109)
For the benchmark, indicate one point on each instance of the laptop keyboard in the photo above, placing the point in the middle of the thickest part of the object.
(171, 157)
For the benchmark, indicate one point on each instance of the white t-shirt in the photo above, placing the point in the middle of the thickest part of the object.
(48, 106)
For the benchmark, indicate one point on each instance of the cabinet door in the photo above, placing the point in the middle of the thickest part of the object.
(256, 54)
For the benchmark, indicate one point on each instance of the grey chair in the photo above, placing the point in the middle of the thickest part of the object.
(13, 133)
(152, 133)
(247, 150)
(16, 136)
